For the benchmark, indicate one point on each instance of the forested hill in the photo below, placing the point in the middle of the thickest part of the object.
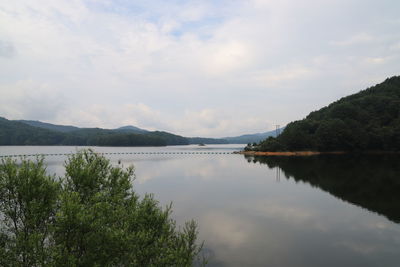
(20, 133)
(368, 120)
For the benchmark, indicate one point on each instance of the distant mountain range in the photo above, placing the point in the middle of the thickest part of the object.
(251, 138)
(68, 128)
(132, 129)
(29, 132)
(49, 126)
(25, 132)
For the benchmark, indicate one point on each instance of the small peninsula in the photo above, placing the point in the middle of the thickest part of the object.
(368, 121)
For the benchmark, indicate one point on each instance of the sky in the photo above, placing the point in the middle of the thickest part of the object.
(210, 68)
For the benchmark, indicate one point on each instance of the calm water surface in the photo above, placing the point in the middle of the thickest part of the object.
(257, 211)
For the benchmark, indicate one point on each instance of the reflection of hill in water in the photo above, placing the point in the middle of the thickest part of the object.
(372, 182)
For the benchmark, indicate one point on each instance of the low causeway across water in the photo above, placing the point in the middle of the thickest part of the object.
(123, 153)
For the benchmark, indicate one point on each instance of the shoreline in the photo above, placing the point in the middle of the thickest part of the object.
(309, 153)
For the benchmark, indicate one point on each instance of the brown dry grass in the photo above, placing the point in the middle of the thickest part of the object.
(288, 153)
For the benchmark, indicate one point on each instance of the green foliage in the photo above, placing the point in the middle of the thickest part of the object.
(28, 201)
(92, 217)
(270, 144)
(368, 120)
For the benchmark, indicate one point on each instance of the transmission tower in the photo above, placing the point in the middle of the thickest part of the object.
(277, 130)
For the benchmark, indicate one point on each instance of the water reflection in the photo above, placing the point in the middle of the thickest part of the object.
(371, 182)
(250, 217)
(249, 214)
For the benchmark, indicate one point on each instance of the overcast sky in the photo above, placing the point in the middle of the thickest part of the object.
(196, 68)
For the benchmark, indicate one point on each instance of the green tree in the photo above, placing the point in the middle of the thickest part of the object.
(271, 144)
(28, 200)
(91, 218)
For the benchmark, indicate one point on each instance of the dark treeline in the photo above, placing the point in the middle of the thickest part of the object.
(203, 140)
(170, 139)
(19, 133)
(368, 120)
(128, 139)
(369, 181)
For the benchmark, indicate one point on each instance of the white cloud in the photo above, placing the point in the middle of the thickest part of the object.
(7, 49)
(223, 58)
(198, 68)
(213, 122)
(206, 122)
(27, 97)
(278, 77)
(395, 47)
(228, 230)
(110, 116)
(375, 60)
(359, 38)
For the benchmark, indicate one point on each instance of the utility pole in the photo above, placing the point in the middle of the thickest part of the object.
(277, 130)
(278, 174)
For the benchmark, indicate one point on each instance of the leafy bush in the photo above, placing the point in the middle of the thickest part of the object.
(90, 217)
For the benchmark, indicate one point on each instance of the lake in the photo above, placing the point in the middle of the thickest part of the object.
(270, 211)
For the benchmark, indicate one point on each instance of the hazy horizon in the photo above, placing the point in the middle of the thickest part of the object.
(193, 68)
(122, 126)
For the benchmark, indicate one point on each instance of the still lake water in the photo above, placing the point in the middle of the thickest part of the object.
(282, 211)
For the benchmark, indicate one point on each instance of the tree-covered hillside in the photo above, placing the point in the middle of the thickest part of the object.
(170, 139)
(28, 132)
(368, 120)
(19, 133)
